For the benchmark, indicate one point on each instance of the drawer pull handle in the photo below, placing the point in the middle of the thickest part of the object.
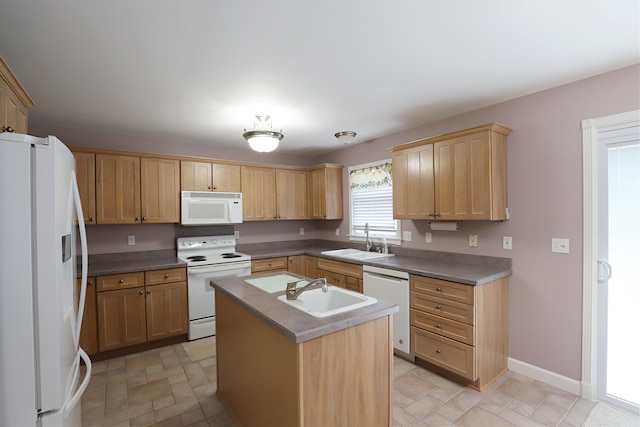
(438, 306)
(438, 325)
(121, 281)
(166, 276)
(438, 351)
(439, 289)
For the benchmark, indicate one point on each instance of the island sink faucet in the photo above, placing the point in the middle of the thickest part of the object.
(293, 293)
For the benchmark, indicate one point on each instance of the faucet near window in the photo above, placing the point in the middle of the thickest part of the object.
(371, 204)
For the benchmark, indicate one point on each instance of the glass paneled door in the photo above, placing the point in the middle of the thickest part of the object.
(618, 346)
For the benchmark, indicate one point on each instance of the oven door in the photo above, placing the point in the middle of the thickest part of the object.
(201, 294)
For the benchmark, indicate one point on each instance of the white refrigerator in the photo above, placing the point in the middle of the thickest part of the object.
(40, 309)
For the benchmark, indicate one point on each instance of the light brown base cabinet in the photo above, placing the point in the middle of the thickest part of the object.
(266, 379)
(460, 331)
(343, 274)
(138, 307)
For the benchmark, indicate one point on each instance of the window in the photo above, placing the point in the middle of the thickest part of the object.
(371, 200)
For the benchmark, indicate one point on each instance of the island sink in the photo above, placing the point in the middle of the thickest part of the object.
(323, 304)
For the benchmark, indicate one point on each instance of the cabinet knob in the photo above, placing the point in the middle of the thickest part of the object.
(208, 187)
(89, 282)
(141, 293)
(438, 306)
(148, 291)
(401, 341)
(215, 187)
(144, 218)
(439, 289)
(121, 281)
(438, 351)
(166, 276)
(430, 214)
(92, 219)
(8, 129)
(438, 325)
(269, 264)
(436, 214)
(137, 218)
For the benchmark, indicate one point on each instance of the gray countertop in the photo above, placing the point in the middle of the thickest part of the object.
(120, 266)
(467, 269)
(293, 324)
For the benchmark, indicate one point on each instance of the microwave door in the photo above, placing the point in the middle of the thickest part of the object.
(208, 211)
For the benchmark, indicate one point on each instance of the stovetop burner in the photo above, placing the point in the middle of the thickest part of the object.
(231, 255)
(197, 258)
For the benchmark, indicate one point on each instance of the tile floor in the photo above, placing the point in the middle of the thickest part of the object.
(176, 385)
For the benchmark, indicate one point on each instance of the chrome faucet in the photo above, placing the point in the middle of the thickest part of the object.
(293, 293)
(367, 241)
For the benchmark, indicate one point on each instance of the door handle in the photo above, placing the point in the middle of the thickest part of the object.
(604, 271)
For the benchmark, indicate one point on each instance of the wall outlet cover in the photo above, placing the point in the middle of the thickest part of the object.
(236, 234)
(428, 237)
(302, 231)
(131, 240)
(406, 236)
(473, 240)
(560, 246)
(337, 231)
(507, 242)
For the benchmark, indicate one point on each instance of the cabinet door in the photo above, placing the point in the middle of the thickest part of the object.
(86, 175)
(258, 193)
(89, 328)
(462, 177)
(15, 112)
(226, 178)
(413, 183)
(318, 194)
(326, 192)
(121, 318)
(291, 190)
(117, 189)
(160, 190)
(166, 309)
(195, 176)
(297, 265)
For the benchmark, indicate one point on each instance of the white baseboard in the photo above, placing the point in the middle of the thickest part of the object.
(551, 378)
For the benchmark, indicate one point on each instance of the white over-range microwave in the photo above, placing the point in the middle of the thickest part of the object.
(205, 208)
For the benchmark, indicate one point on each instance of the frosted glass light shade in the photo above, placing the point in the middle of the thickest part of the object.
(263, 144)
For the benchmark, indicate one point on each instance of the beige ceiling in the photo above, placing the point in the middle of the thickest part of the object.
(200, 70)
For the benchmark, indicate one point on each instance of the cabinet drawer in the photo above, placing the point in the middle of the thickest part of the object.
(119, 281)
(169, 275)
(451, 355)
(333, 278)
(346, 268)
(269, 264)
(439, 325)
(441, 307)
(443, 289)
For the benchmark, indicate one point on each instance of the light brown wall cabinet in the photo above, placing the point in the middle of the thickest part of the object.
(206, 176)
(291, 194)
(258, 193)
(14, 102)
(131, 189)
(89, 328)
(86, 177)
(134, 308)
(343, 274)
(326, 192)
(460, 330)
(456, 176)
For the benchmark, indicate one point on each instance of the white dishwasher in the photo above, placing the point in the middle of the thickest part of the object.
(391, 285)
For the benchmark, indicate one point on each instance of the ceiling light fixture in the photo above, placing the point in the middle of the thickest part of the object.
(262, 138)
(345, 137)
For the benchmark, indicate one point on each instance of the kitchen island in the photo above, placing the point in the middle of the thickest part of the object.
(279, 366)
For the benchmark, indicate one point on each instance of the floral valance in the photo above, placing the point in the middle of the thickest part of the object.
(371, 177)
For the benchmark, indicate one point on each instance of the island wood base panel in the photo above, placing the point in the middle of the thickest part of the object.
(476, 385)
(343, 378)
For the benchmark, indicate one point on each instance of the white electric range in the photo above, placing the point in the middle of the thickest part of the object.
(208, 257)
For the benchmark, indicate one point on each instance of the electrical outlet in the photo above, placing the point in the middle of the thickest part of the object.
(131, 240)
(406, 236)
(560, 246)
(507, 242)
(337, 231)
(302, 231)
(427, 237)
(236, 234)
(473, 240)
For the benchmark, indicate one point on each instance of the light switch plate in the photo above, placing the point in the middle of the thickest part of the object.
(560, 246)
(131, 240)
(473, 240)
(302, 231)
(236, 234)
(337, 231)
(406, 236)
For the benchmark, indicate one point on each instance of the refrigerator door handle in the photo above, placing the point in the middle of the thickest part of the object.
(71, 401)
(83, 246)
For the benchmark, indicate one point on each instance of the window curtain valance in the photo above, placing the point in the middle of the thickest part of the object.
(371, 178)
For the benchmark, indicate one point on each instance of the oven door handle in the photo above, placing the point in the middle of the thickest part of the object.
(218, 268)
